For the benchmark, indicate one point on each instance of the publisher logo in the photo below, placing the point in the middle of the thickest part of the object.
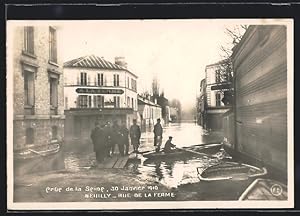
(276, 190)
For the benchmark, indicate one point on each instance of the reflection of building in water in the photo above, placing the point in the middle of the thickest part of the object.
(38, 86)
(149, 112)
(96, 89)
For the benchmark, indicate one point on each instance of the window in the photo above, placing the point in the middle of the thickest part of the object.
(53, 92)
(28, 88)
(128, 101)
(218, 76)
(54, 133)
(127, 82)
(99, 101)
(218, 99)
(83, 80)
(29, 136)
(66, 103)
(82, 101)
(29, 39)
(116, 79)
(100, 79)
(117, 101)
(132, 102)
(133, 84)
(52, 45)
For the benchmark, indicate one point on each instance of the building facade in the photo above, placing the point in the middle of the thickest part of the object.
(37, 87)
(212, 92)
(96, 89)
(260, 123)
(149, 112)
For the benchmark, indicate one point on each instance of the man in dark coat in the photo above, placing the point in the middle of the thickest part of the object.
(158, 131)
(108, 138)
(97, 137)
(135, 135)
(117, 138)
(124, 138)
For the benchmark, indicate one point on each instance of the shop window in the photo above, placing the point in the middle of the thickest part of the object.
(218, 99)
(29, 136)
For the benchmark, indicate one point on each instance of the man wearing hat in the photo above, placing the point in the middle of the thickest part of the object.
(135, 135)
(169, 145)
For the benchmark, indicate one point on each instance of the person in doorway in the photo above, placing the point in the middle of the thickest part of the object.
(124, 138)
(135, 135)
(97, 137)
(158, 131)
(169, 146)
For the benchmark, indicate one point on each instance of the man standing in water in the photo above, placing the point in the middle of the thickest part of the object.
(124, 137)
(107, 138)
(97, 137)
(158, 131)
(135, 135)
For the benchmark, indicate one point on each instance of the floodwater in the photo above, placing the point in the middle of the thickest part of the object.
(179, 174)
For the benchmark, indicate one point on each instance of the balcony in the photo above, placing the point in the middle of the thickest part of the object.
(100, 111)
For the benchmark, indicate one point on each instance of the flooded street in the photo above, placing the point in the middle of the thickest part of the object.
(176, 174)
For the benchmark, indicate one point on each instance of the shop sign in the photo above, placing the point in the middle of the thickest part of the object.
(99, 91)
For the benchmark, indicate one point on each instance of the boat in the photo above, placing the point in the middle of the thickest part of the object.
(226, 170)
(201, 149)
(264, 189)
(210, 148)
(37, 151)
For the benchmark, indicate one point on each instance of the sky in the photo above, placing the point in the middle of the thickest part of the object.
(175, 51)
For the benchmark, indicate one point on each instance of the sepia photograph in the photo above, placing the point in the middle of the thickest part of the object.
(150, 114)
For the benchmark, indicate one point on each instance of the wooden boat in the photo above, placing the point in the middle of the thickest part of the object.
(201, 149)
(265, 189)
(37, 151)
(210, 148)
(230, 170)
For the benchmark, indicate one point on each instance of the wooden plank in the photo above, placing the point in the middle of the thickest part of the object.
(121, 162)
(108, 163)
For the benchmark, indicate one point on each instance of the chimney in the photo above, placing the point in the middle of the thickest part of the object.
(121, 61)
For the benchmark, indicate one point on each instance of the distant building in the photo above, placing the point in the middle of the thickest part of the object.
(149, 112)
(174, 114)
(213, 90)
(96, 89)
(38, 87)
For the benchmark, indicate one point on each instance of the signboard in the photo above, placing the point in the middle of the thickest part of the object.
(222, 86)
(99, 91)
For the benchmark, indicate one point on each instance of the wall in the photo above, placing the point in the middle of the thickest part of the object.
(260, 65)
(42, 120)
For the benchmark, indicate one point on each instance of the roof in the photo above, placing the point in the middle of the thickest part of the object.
(142, 100)
(93, 61)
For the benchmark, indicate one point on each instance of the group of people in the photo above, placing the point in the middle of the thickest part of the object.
(106, 137)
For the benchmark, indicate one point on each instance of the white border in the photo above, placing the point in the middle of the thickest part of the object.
(155, 204)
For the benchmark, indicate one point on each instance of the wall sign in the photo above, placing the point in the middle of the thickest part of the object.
(99, 91)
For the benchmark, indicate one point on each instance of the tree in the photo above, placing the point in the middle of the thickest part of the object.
(225, 69)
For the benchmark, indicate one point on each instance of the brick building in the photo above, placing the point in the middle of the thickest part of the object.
(38, 109)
